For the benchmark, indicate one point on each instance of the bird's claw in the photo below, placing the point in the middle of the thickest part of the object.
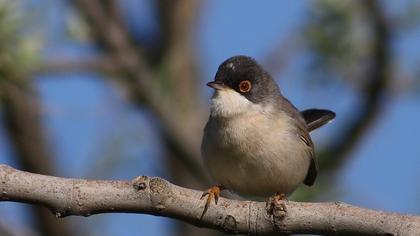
(211, 193)
(276, 205)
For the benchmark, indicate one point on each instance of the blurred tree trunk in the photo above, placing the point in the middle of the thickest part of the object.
(172, 67)
(374, 89)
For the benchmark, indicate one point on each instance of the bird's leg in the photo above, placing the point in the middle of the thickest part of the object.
(211, 193)
(276, 204)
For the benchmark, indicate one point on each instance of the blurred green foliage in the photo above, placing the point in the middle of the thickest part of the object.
(338, 38)
(19, 53)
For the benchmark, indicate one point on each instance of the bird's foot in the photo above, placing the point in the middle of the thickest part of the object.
(276, 205)
(211, 193)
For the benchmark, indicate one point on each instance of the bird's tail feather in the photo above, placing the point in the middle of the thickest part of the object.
(316, 118)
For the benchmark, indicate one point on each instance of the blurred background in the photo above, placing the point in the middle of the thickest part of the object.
(110, 89)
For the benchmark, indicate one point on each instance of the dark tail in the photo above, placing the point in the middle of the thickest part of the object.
(312, 173)
(316, 118)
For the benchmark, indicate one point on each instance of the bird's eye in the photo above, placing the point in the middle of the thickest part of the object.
(245, 86)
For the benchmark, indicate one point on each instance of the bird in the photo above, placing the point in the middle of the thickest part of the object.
(256, 143)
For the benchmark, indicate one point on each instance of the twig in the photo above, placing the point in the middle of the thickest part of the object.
(156, 196)
(102, 64)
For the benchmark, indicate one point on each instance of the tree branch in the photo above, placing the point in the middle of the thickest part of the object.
(156, 196)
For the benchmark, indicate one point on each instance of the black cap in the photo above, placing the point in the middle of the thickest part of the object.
(238, 69)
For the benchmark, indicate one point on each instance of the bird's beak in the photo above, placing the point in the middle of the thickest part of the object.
(216, 85)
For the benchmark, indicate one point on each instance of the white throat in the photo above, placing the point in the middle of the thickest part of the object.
(227, 103)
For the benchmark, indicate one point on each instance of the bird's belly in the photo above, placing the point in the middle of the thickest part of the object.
(258, 176)
(272, 162)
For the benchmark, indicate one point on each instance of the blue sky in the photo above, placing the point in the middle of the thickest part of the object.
(382, 174)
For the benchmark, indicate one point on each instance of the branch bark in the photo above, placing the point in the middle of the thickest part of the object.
(156, 196)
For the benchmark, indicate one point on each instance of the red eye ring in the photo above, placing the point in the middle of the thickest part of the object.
(245, 86)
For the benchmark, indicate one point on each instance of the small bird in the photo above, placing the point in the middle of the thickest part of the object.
(256, 143)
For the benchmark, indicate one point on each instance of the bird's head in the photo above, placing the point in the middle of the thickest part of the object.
(241, 84)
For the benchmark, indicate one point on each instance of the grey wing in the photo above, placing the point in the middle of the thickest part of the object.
(303, 122)
(313, 166)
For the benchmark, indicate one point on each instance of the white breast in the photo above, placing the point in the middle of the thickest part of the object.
(250, 152)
